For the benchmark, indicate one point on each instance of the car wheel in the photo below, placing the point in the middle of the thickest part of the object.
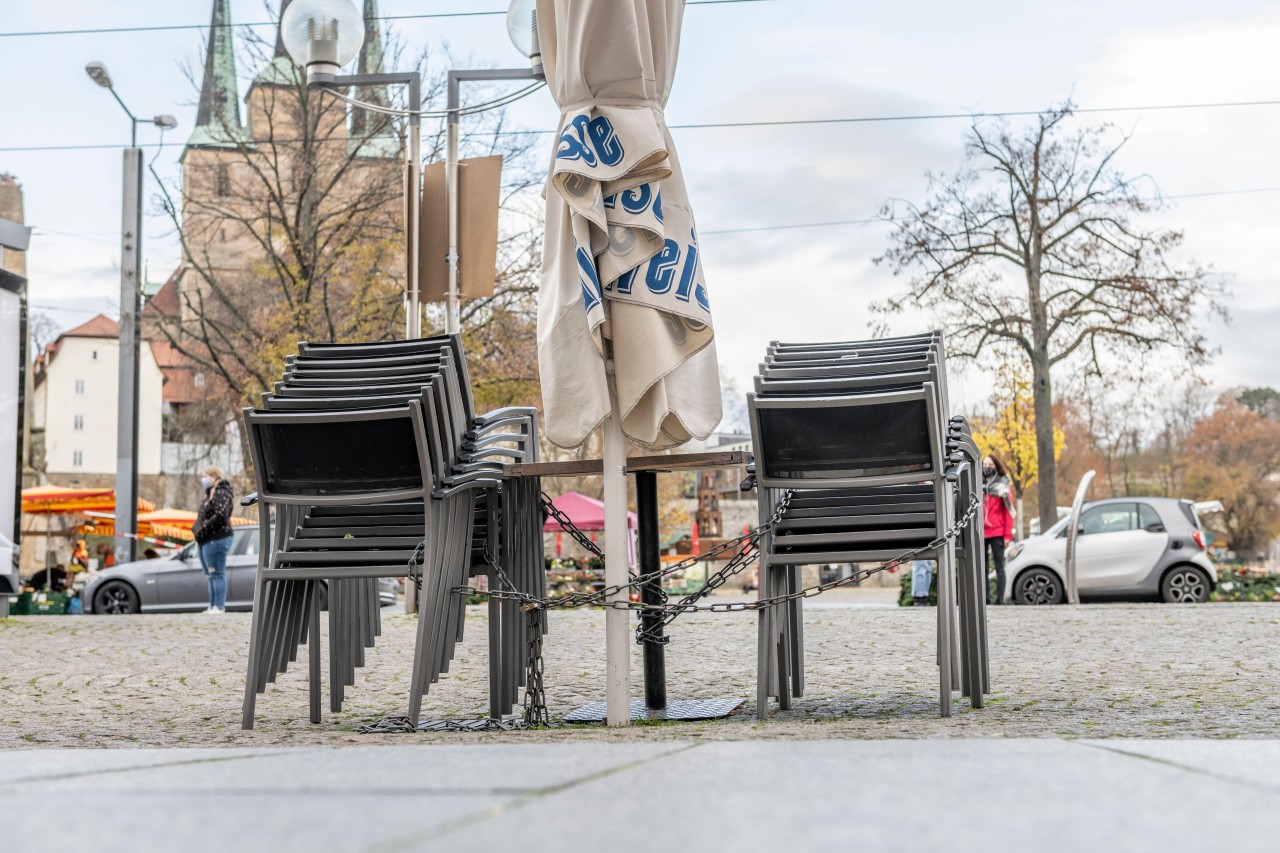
(1038, 586)
(115, 598)
(1185, 585)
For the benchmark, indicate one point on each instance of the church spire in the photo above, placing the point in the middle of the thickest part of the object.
(370, 62)
(218, 116)
(280, 51)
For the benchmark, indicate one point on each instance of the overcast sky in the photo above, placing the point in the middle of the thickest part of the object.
(780, 59)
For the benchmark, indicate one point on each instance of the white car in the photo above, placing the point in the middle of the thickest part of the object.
(1144, 548)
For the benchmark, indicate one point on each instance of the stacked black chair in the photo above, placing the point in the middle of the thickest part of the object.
(853, 439)
(377, 466)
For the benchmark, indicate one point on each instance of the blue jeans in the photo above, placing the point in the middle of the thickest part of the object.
(921, 578)
(213, 556)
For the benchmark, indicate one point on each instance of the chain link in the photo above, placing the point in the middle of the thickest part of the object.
(535, 697)
(529, 603)
(569, 527)
(403, 725)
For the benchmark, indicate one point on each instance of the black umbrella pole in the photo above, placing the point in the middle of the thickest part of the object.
(655, 657)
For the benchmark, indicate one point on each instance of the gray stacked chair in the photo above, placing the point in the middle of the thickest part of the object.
(378, 466)
(857, 433)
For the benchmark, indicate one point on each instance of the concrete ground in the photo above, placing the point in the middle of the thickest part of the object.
(1111, 727)
(678, 795)
(1090, 671)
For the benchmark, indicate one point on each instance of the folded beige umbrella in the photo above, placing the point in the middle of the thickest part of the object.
(621, 275)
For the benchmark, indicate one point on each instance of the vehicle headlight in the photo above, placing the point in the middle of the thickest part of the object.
(1012, 552)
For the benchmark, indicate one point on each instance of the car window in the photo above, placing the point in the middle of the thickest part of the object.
(1148, 517)
(1189, 510)
(1111, 518)
(245, 543)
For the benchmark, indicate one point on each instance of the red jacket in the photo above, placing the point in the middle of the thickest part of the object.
(998, 520)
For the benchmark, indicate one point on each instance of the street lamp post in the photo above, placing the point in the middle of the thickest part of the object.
(126, 521)
(324, 35)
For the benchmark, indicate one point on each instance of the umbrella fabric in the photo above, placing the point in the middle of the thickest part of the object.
(585, 513)
(57, 500)
(622, 273)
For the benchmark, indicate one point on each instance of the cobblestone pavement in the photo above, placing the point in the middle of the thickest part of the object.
(1092, 671)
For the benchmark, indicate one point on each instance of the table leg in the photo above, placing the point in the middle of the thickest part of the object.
(655, 660)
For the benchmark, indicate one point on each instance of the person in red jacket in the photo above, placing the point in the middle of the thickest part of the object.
(997, 531)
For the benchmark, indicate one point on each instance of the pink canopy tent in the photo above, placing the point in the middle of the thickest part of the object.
(588, 514)
(585, 513)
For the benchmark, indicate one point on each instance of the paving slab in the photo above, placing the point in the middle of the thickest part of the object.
(799, 796)
(1014, 795)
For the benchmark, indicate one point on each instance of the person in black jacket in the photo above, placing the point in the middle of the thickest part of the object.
(212, 531)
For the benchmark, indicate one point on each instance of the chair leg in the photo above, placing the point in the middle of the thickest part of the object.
(255, 647)
(763, 643)
(313, 648)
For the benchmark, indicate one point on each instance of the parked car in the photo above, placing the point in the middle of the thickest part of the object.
(1126, 548)
(178, 583)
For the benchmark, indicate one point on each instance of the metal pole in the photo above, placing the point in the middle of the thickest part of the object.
(413, 210)
(616, 639)
(655, 655)
(453, 305)
(126, 522)
(452, 308)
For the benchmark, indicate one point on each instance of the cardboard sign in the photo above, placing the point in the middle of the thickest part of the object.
(479, 189)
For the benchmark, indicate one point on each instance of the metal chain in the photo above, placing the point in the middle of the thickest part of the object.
(745, 557)
(529, 603)
(402, 725)
(535, 698)
(569, 527)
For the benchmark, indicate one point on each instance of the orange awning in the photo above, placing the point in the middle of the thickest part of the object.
(58, 500)
(166, 523)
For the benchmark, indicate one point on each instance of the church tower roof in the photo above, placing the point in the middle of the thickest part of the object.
(372, 132)
(218, 117)
(281, 70)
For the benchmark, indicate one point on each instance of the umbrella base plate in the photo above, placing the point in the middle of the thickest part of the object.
(683, 710)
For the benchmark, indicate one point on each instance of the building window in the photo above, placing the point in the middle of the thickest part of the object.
(77, 459)
(198, 379)
(222, 181)
(95, 355)
(78, 422)
(79, 386)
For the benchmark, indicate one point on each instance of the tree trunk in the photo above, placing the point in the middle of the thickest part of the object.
(1046, 466)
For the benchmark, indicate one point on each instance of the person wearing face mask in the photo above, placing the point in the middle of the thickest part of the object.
(212, 531)
(998, 511)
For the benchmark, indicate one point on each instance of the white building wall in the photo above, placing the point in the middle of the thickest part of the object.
(81, 399)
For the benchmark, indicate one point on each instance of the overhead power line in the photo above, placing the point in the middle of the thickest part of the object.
(250, 24)
(833, 222)
(777, 123)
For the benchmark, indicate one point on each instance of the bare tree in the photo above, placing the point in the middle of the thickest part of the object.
(1037, 241)
(293, 229)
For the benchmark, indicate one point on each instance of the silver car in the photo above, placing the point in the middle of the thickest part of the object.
(1127, 548)
(178, 583)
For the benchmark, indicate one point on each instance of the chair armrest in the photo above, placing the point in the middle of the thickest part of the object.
(466, 482)
(480, 440)
(481, 454)
(507, 412)
(249, 499)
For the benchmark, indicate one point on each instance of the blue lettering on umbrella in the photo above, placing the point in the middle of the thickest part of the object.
(608, 145)
(657, 206)
(575, 147)
(687, 274)
(588, 279)
(662, 268)
(586, 139)
(627, 280)
(636, 200)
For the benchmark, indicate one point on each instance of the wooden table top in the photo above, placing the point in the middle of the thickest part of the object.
(665, 462)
